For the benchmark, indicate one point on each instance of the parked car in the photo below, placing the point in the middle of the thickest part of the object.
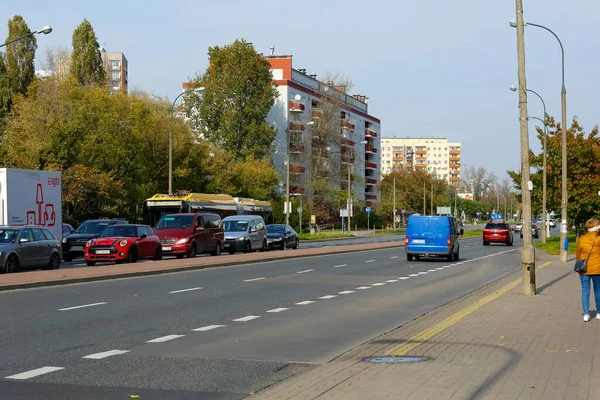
(28, 247)
(123, 243)
(73, 245)
(432, 236)
(190, 234)
(245, 233)
(518, 226)
(282, 236)
(67, 230)
(497, 232)
(534, 231)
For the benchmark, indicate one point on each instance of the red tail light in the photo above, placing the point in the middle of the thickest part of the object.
(406, 241)
(449, 242)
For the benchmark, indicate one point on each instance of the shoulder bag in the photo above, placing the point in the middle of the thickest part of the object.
(581, 265)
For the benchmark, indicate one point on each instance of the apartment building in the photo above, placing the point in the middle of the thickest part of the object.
(116, 67)
(436, 155)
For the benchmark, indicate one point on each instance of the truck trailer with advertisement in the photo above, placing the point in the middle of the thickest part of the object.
(29, 197)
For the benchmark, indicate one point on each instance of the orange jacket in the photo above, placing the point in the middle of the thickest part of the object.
(584, 245)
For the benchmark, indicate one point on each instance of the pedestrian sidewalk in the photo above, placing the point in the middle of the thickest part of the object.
(492, 344)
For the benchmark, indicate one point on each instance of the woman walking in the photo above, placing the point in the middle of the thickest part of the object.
(588, 246)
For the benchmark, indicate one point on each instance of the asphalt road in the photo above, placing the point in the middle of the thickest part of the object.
(222, 333)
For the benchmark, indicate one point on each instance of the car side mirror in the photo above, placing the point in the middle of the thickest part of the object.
(462, 231)
(23, 240)
(143, 236)
(288, 233)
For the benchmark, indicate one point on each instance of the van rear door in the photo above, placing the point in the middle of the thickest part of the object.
(439, 232)
(418, 227)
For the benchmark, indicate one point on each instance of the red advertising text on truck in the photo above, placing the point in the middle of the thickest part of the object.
(29, 197)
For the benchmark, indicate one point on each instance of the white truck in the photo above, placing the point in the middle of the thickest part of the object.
(29, 197)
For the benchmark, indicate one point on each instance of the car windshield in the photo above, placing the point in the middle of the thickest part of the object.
(92, 227)
(496, 226)
(275, 228)
(175, 221)
(7, 235)
(120, 231)
(235, 226)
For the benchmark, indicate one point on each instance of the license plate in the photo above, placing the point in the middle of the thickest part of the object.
(77, 248)
(418, 241)
(166, 248)
(102, 251)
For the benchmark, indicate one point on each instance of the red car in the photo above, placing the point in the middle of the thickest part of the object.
(497, 232)
(123, 243)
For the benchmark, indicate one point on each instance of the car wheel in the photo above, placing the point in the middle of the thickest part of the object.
(450, 257)
(217, 251)
(297, 245)
(54, 262)
(457, 254)
(248, 247)
(68, 258)
(409, 257)
(12, 265)
(486, 243)
(91, 263)
(179, 256)
(158, 253)
(521, 236)
(264, 246)
(193, 251)
(231, 251)
(132, 255)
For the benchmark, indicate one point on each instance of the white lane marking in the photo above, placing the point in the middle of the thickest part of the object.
(185, 290)
(467, 246)
(431, 270)
(439, 269)
(394, 257)
(82, 306)
(378, 284)
(164, 338)
(392, 281)
(370, 261)
(255, 279)
(305, 271)
(363, 287)
(329, 296)
(414, 275)
(340, 266)
(100, 356)
(422, 273)
(276, 310)
(305, 302)
(403, 278)
(34, 373)
(208, 328)
(246, 318)
(347, 292)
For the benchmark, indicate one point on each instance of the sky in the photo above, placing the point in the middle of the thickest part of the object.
(430, 68)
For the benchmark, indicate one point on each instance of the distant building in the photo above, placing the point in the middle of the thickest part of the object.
(116, 68)
(436, 155)
(43, 74)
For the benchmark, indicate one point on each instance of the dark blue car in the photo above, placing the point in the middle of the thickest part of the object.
(280, 236)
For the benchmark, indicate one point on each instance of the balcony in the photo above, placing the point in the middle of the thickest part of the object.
(370, 165)
(296, 148)
(455, 165)
(372, 182)
(317, 113)
(347, 160)
(454, 158)
(370, 133)
(347, 143)
(421, 158)
(370, 149)
(296, 169)
(347, 125)
(296, 107)
(296, 127)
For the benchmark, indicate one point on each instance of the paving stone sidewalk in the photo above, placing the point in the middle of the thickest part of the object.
(512, 347)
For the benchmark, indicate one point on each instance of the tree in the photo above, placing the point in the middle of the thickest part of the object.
(477, 181)
(237, 95)
(86, 61)
(20, 55)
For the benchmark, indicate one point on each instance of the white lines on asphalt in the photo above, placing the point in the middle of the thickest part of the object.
(100, 356)
(363, 287)
(347, 292)
(422, 273)
(370, 261)
(276, 310)
(432, 270)
(403, 278)
(246, 318)
(164, 338)
(394, 257)
(329, 296)
(208, 328)
(340, 266)
(303, 303)
(378, 284)
(185, 290)
(34, 372)
(255, 279)
(82, 306)
(414, 275)
(305, 271)
(392, 281)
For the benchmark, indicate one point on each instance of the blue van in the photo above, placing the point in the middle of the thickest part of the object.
(432, 236)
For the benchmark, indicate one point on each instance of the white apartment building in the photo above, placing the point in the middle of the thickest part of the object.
(436, 155)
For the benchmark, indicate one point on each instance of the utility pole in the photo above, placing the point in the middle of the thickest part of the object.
(528, 252)
(394, 211)
(349, 205)
(432, 197)
(424, 199)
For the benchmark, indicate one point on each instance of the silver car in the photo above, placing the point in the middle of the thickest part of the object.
(28, 247)
(244, 233)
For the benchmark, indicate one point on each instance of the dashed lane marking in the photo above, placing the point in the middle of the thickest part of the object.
(255, 279)
(305, 271)
(34, 372)
(370, 261)
(303, 303)
(414, 275)
(164, 338)
(392, 281)
(403, 278)
(347, 292)
(340, 266)
(363, 287)
(110, 353)
(329, 296)
(82, 306)
(246, 318)
(392, 257)
(184, 290)
(378, 284)
(208, 328)
(277, 310)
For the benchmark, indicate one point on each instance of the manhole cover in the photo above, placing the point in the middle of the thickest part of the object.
(394, 359)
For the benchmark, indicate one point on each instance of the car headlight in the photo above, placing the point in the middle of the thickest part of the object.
(182, 241)
(88, 244)
(241, 238)
(123, 243)
(64, 240)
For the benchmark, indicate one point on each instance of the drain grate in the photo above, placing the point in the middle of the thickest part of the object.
(394, 359)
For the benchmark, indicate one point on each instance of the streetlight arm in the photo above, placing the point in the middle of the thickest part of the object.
(562, 51)
(171, 144)
(19, 38)
(543, 104)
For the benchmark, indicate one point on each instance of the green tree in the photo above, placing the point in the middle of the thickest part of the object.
(238, 93)
(20, 55)
(86, 61)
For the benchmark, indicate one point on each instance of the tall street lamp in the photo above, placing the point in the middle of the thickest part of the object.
(349, 204)
(171, 145)
(563, 101)
(45, 30)
(546, 230)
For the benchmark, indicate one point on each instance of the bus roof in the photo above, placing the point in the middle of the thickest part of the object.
(196, 198)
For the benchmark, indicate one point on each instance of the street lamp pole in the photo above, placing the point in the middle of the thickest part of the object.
(171, 145)
(546, 227)
(45, 30)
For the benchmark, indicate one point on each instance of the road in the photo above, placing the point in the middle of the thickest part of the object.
(222, 333)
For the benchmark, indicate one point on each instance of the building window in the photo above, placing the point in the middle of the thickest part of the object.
(115, 64)
(115, 75)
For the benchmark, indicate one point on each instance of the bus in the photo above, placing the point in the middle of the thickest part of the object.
(187, 202)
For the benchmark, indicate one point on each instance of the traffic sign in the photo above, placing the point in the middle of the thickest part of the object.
(368, 210)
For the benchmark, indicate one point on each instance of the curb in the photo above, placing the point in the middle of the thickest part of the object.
(350, 238)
